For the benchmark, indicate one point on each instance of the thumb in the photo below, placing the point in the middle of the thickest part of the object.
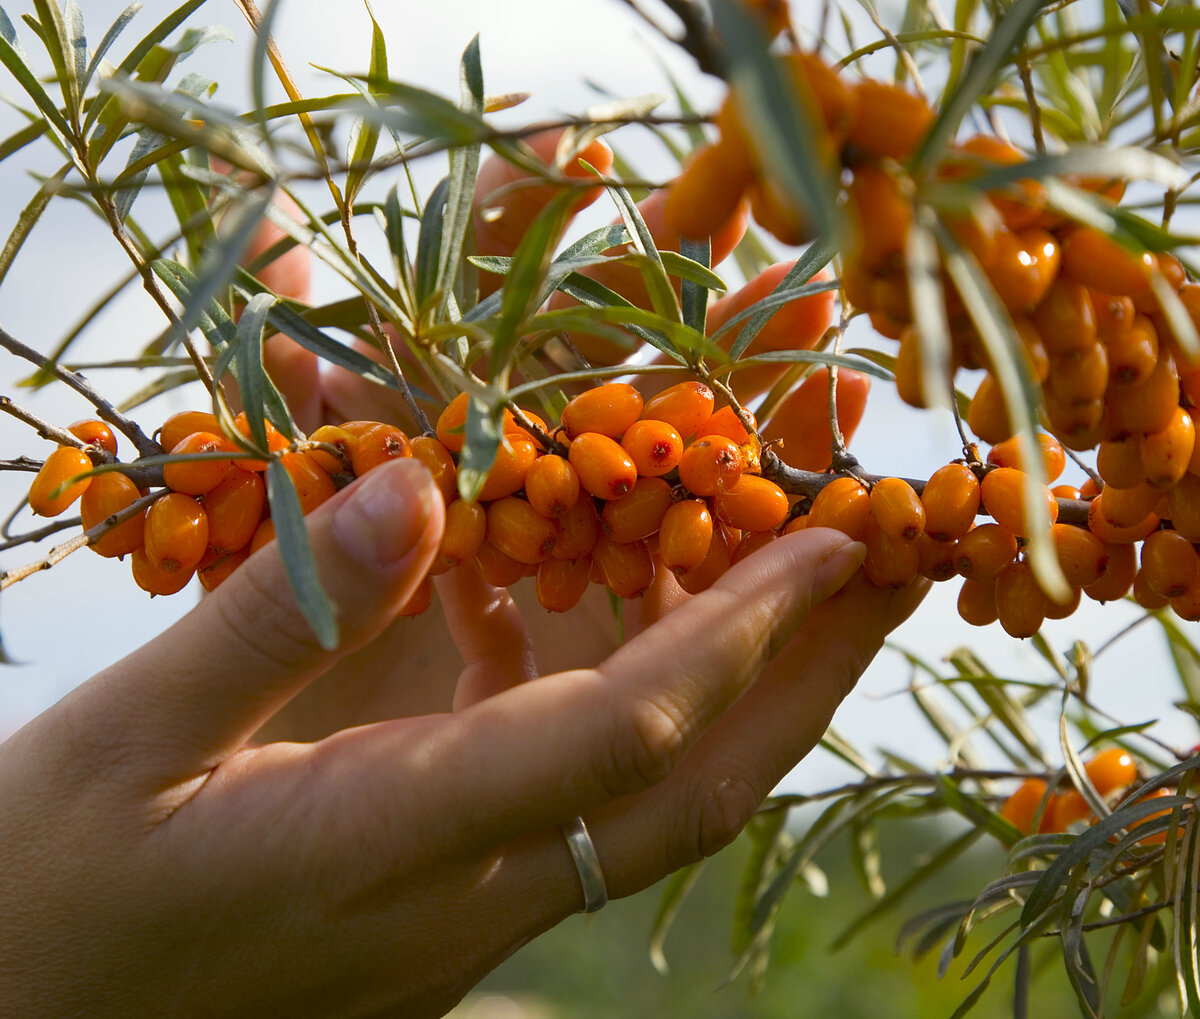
(200, 690)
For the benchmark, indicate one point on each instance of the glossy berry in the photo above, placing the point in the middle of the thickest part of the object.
(157, 580)
(684, 535)
(337, 458)
(897, 509)
(1009, 454)
(604, 468)
(1118, 575)
(234, 509)
(95, 433)
(176, 533)
(441, 464)
(514, 456)
(519, 531)
(497, 568)
(52, 490)
(463, 534)
(708, 191)
(1003, 493)
(452, 422)
(655, 447)
(935, 559)
(551, 485)
(110, 493)
(313, 485)
(951, 500)
(561, 583)
(578, 529)
(891, 561)
(627, 568)
(195, 477)
(1020, 603)
(376, 446)
(276, 441)
(1169, 563)
(977, 602)
(843, 504)
(1167, 453)
(710, 464)
(639, 514)
(1021, 808)
(179, 426)
(608, 409)
(685, 406)
(984, 551)
(1081, 555)
(420, 600)
(752, 503)
(216, 573)
(1111, 770)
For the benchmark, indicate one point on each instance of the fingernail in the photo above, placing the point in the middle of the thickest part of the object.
(386, 513)
(836, 569)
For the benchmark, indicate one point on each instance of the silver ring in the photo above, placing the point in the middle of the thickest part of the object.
(587, 864)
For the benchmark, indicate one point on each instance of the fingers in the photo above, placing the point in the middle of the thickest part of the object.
(199, 690)
(555, 747)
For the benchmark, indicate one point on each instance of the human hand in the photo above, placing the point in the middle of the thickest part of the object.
(159, 863)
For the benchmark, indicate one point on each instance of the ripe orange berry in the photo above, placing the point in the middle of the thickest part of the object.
(1110, 533)
(897, 509)
(1148, 407)
(217, 572)
(1002, 492)
(1008, 454)
(155, 579)
(774, 211)
(275, 442)
(639, 514)
(1022, 806)
(685, 406)
(829, 99)
(1147, 599)
(708, 192)
(561, 583)
(578, 529)
(95, 433)
(378, 445)
(335, 460)
(110, 493)
(514, 456)
(264, 534)
(654, 447)
(604, 468)
(1023, 267)
(751, 542)
(452, 422)
(1118, 575)
(179, 426)
(1065, 318)
(951, 500)
(1161, 836)
(843, 504)
(1111, 770)
(195, 477)
(176, 533)
(889, 121)
(551, 485)
(890, 561)
(987, 416)
(1093, 258)
(462, 535)
(881, 216)
(608, 409)
(1169, 563)
(710, 464)
(1132, 352)
(627, 568)
(984, 551)
(498, 569)
(1127, 507)
(1167, 453)
(752, 503)
(65, 463)
(713, 566)
(1081, 555)
(519, 531)
(313, 485)
(684, 535)
(1119, 462)
(437, 458)
(725, 422)
(1020, 603)
(1065, 492)
(977, 601)
(935, 559)
(1068, 808)
(234, 510)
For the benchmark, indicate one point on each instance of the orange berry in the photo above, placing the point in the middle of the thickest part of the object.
(843, 504)
(711, 464)
(897, 509)
(639, 514)
(578, 529)
(337, 459)
(275, 442)
(313, 485)
(1065, 318)
(1022, 806)
(685, 406)
(1023, 267)
(65, 463)
(655, 447)
(1184, 503)
(420, 600)
(451, 423)
(1065, 492)
(110, 493)
(752, 503)
(1008, 454)
(1167, 453)
(889, 121)
(627, 568)
(264, 534)
(890, 561)
(706, 195)
(987, 415)
(1093, 258)
(551, 485)
(1002, 492)
(498, 569)
(1020, 603)
(1113, 534)
(977, 601)
(1111, 770)
(1118, 575)
(1069, 808)
(936, 558)
(234, 510)
(462, 535)
(751, 542)
(441, 464)
(216, 573)
(95, 433)
(775, 213)
(179, 426)
(155, 579)
(514, 456)
(561, 583)
(684, 535)
(951, 500)
(1119, 462)
(1132, 352)
(608, 409)
(1148, 407)
(604, 468)
(712, 567)
(725, 422)
(1081, 555)
(1161, 836)
(176, 533)
(984, 551)
(802, 422)
(520, 531)
(1021, 204)
(881, 216)
(1169, 563)
(195, 477)
(376, 446)
(1127, 507)
(1147, 599)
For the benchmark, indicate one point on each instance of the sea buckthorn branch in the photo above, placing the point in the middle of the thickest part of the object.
(31, 537)
(107, 411)
(48, 431)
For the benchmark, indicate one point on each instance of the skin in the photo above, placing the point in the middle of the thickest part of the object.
(232, 821)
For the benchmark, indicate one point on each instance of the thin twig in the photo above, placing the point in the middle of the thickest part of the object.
(51, 432)
(31, 537)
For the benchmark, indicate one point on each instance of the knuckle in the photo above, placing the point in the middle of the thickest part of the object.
(717, 814)
(651, 739)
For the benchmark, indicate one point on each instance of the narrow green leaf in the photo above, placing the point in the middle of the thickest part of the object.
(33, 88)
(481, 441)
(297, 556)
(429, 241)
(105, 44)
(816, 357)
(19, 139)
(365, 137)
(676, 891)
(694, 298)
(55, 36)
(258, 65)
(251, 373)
